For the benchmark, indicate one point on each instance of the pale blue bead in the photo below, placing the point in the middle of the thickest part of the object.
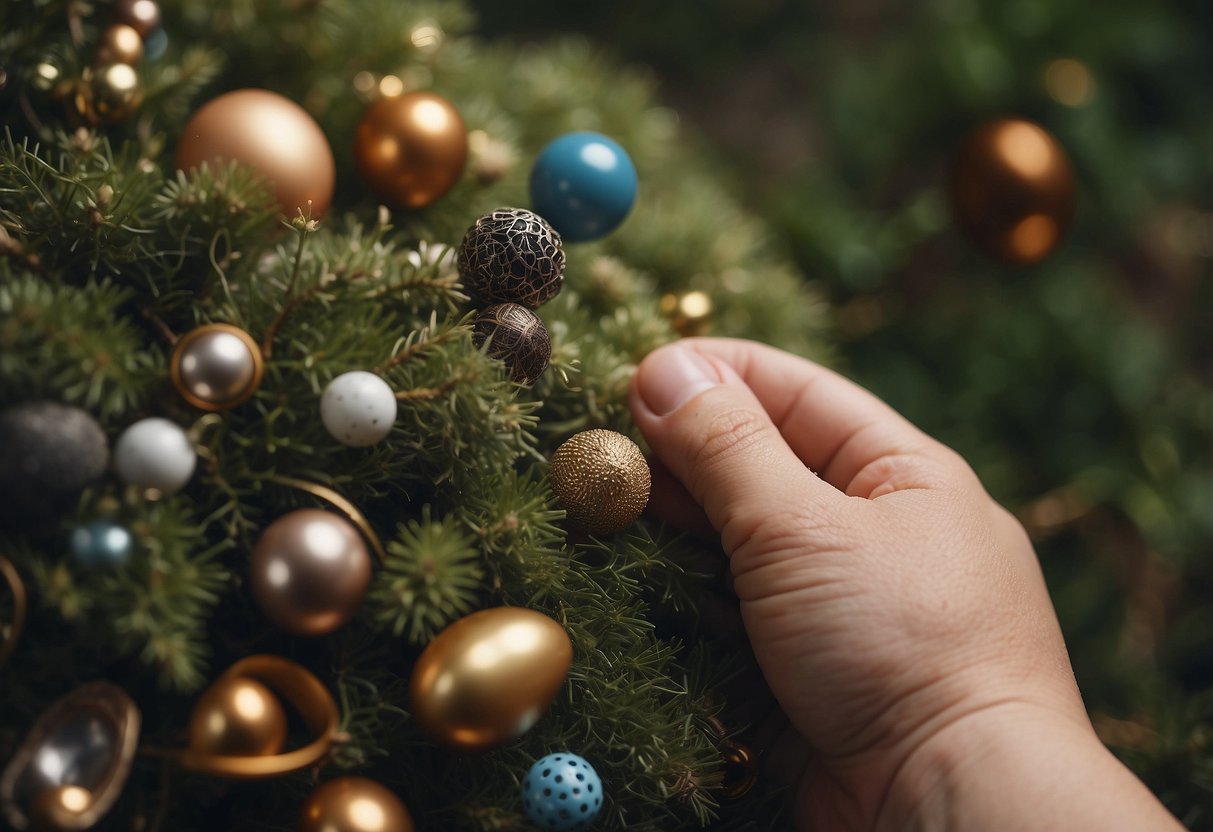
(102, 543)
(584, 184)
(562, 792)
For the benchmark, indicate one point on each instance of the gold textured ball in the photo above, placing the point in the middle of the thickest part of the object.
(59, 808)
(487, 678)
(602, 480)
(310, 570)
(141, 15)
(216, 366)
(411, 149)
(237, 717)
(516, 336)
(690, 313)
(354, 804)
(268, 132)
(109, 93)
(1012, 190)
(120, 44)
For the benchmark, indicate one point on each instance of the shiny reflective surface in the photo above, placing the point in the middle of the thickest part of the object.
(142, 15)
(85, 739)
(310, 570)
(690, 313)
(584, 184)
(119, 44)
(110, 93)
(270, 133)
(354, 804)
(238, 716)
(1012, 190)
(216, 366)
(487, 678)
(411, 149)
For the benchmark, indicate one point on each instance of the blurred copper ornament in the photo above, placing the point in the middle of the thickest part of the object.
(237, 716)
(601, 479)
(740, 769)
(411, 148)
(109, 93)
(1012, 190)
(10, 632)
(354, 804)
(120, 44)
(517, 337)
(141, 15)
(310, 570)
(293, 684)
(216, 366)
(270, 133)
(690, 313)
(74, 762)
(487, 678)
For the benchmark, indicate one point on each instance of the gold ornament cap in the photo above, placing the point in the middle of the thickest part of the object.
(487, 678)
(602, 480)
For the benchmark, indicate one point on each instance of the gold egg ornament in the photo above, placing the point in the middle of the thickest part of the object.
(602, 480)
(354, 804)
(487, 678)
(270, 133)
(238, 717)
(1012, 189)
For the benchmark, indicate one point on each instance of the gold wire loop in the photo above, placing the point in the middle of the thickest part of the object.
(305, 693)
(342, 504)
(17, 589)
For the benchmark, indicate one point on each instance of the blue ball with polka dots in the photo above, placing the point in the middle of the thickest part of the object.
(562, 792)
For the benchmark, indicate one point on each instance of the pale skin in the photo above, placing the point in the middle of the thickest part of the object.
(898, 613)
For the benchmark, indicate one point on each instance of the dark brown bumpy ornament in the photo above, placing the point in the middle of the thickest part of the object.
(602, 480)
(517, 336)
(512, 256)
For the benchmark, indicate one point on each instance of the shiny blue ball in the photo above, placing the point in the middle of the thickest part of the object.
(562, 792)
(584, 184)
(102, 543)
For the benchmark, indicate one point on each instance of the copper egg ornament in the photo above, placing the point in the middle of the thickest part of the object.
(487, 678)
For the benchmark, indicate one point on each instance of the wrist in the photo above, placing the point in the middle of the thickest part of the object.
(1017, 767)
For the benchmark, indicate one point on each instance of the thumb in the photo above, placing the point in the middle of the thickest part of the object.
(709, 429)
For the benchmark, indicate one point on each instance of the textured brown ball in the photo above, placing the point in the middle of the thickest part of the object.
(512, 256)
(354, 804)
(602, 480)
(120, 44)
(411, 148)
(142, 15)
(517, 336)
(1012, 190)
(237, 717)
(268, 132)
(310, 570)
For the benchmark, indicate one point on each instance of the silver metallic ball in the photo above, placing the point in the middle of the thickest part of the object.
(216, 366)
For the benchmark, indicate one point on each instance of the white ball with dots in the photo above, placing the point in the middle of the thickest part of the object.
(358, 408)
(155, 454)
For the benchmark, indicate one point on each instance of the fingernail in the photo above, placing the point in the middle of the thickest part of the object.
(672, 376)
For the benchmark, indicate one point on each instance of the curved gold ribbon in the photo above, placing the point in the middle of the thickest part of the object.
(303, 691)
(343, 505)
(17, 588)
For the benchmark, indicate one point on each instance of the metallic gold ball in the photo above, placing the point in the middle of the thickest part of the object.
(516, 336)
(690, 313)
(59, 809)
(268, 132)
(237, 717)
(120, 44)
(487, 678)
(216, 366)
(354, 804)
(141, 15)
(411, 149)
(1012, 190)
(601, 479)
(109, 93)
(310, 570)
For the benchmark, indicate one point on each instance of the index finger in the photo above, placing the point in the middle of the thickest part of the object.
(845, 434)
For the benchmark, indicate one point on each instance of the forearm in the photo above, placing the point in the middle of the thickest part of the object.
(1012, 772)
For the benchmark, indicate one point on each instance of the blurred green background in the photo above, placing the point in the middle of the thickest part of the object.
(1079, 388)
